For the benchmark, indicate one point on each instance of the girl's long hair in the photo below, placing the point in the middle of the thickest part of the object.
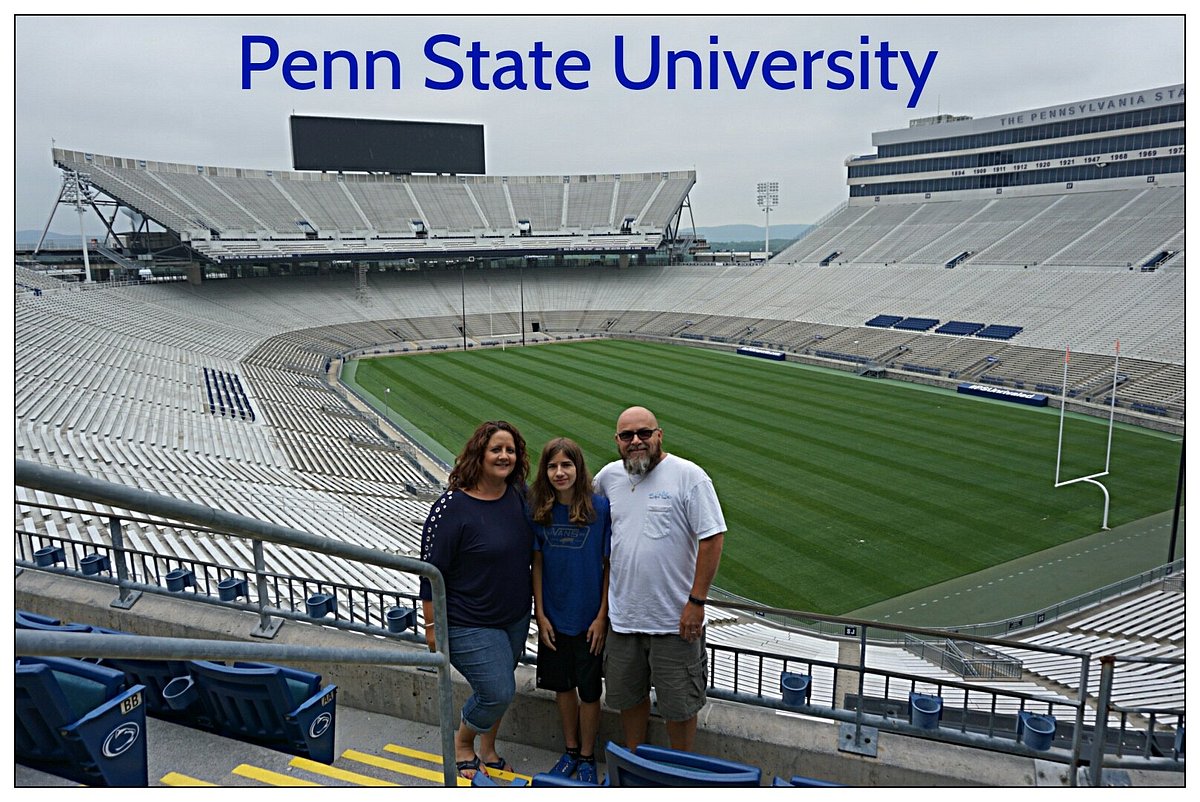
(468, 467)
(541, 494)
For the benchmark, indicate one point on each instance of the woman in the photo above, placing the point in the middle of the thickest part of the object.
(478, 536)
(572, 533)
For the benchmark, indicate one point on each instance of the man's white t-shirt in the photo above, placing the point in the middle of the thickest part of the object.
(658, 521)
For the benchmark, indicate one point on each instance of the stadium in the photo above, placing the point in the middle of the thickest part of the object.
(217, 432)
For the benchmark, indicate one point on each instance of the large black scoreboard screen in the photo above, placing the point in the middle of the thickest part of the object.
(386, 146)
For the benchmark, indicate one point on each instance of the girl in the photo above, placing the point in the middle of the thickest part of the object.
(572, 533)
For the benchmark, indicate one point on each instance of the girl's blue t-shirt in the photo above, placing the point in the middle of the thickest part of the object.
(573, 566)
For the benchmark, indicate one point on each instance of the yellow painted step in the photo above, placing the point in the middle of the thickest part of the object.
(177, 780)
(338, 774)
(397, 766)
(272, 777)
(432, 758)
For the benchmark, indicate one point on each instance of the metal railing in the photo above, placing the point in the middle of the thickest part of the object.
(967, 660)
(128, 575)
(862, 697)
(976, 715)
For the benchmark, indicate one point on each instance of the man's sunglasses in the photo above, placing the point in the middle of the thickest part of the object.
(642, 434)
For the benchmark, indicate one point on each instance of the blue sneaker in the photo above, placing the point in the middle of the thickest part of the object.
(566, 765)
(587, 771)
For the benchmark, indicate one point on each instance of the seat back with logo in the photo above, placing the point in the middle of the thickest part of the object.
(78, 720)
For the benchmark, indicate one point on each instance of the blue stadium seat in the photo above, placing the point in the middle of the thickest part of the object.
(154, 675)
(284, 708)
(548, 779)
(27, 620)
(78, 720)
(798, 781)
(658, 767)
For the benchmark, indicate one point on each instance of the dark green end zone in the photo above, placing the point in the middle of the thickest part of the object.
(840, 492)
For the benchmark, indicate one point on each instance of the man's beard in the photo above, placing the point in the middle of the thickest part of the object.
(640, 463)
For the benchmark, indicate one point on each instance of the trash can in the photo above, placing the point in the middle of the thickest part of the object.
(179, 693)
(1035, 730)
(92, 564)
(180, 578)
(320, 605)
(796, 688)
(231, 588)
(924, 711)
(48, 556)
(401, 618)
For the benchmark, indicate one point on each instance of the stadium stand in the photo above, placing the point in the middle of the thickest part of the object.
(233, 214)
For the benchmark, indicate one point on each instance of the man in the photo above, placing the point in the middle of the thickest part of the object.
(667, 535)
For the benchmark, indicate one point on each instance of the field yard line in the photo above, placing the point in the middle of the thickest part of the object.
(1036, 580)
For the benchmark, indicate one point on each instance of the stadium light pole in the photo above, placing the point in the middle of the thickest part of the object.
(768, 199)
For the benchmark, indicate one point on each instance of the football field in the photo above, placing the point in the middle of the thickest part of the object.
(839, 491)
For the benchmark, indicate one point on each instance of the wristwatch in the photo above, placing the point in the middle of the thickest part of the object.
(695, 601)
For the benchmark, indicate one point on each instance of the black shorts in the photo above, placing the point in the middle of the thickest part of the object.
(570, 666)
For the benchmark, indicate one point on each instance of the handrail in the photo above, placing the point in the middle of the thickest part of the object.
(53, 480)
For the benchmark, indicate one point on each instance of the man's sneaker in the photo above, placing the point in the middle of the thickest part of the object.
(587, 771)
(566, 765)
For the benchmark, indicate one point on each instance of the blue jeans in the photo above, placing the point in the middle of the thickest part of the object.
(487, 657)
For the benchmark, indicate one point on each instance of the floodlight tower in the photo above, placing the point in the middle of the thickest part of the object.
(768, 199)
(78, 192)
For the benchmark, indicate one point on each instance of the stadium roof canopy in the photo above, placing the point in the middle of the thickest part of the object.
(229, 215)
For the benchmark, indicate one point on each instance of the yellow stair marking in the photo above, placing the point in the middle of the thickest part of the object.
(272, 777)
(338, 774)
(432, 758)
(403, 768)
(178, 780)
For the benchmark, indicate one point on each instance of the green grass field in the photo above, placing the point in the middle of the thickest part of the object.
(838, 491)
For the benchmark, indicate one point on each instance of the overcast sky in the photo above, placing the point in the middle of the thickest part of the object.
(169, 89)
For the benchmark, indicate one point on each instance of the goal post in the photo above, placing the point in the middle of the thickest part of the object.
(1092, 478)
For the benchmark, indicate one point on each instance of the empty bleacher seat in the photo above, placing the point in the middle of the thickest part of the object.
(280, 707)
(79, 720)
(659, 767)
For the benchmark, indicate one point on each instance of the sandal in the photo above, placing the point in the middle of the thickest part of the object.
(500, 764)
(471, 765)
